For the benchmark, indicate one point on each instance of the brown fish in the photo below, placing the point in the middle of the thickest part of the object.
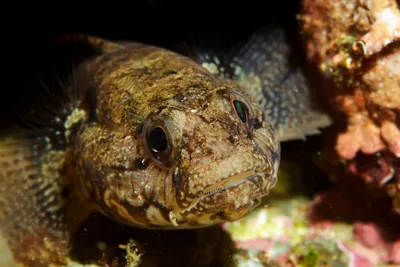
(152, 139)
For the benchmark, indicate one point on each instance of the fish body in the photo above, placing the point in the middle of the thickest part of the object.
(149, 138)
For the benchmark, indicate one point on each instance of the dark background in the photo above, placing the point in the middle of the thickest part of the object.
(30, 32)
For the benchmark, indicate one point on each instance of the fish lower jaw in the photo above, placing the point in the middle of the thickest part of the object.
(196, 219)
(225, 185)
(229, 202)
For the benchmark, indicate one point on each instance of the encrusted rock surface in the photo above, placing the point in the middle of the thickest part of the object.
(355, 44)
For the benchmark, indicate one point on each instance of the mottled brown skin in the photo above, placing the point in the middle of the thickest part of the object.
(219, 168)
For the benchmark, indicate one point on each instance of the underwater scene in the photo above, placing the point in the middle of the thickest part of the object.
(243, 135)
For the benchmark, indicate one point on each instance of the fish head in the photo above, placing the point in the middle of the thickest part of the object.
(206, 151)
(224, 157)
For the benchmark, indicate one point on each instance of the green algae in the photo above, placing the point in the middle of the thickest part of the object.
(285, 223)
(319, 252)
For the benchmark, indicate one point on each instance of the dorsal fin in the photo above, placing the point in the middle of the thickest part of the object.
(99, 45)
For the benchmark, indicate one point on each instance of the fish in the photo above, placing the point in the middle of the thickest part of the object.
(153, 139)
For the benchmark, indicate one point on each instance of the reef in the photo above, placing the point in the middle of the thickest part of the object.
(355, 45)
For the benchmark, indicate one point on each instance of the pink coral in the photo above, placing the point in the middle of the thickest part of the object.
(395, 253)
(346, 39)
(391, 134)
(376, 233)
(356, 260)
(362, 135)
(263, 244)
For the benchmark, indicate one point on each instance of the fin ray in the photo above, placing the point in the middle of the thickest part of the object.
(266, 66)
(279, 85)
(31, 205)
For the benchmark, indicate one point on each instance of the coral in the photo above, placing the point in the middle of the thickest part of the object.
(323, 232)
(375, 228)
(318, 252)
(355, 45)
(346, 40)
(253, 258)
(283, 231)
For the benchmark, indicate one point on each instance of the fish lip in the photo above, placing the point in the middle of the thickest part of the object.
(232, 182)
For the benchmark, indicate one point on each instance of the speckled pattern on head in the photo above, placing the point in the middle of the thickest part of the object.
(218, 167)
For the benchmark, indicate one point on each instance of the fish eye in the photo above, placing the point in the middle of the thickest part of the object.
(242, 107)
(157, 141)
(241, 110)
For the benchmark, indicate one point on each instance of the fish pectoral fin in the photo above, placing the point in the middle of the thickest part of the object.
(31, 204)
(271, 70)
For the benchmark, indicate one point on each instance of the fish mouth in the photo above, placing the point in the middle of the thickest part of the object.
(230, 182)
(254, 187)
